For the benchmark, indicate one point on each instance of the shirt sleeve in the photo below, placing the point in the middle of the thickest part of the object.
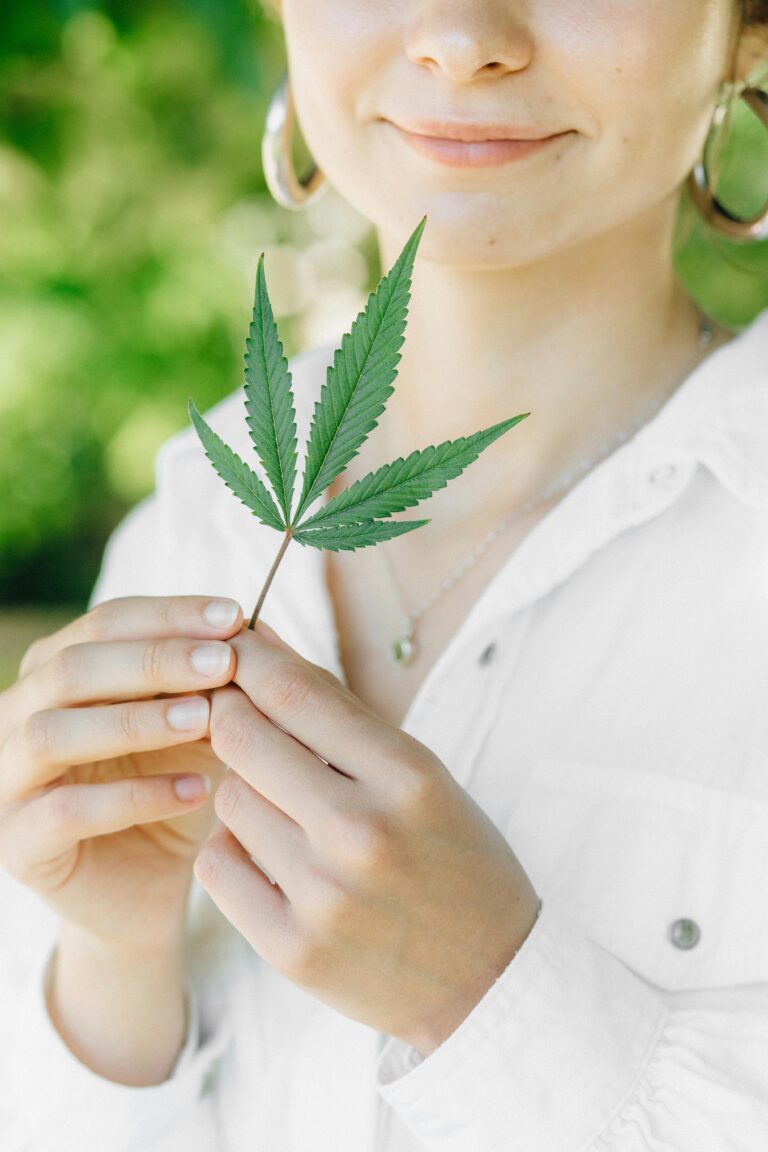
(571, 1051)
(134, 559)
(55, 1103)
(50, 1101)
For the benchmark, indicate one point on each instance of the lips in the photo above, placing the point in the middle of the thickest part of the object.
(483, 151)
(475, 131)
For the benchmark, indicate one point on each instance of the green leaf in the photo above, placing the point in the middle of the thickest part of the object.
(245, 484)
(348, 537)
(359, 381)
(271, 417)
(405, 482)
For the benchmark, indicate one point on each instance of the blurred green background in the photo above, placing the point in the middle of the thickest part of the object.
(132, 213)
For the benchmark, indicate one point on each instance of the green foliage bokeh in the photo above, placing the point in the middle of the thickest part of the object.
(132, 210)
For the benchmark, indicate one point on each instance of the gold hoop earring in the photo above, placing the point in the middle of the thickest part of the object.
(715, 214)
(276, 158)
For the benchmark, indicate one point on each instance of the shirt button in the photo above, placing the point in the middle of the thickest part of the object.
(487, 654)
(684, 933)
(663, 474)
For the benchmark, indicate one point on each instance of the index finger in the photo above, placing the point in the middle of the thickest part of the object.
(140, 618)
(315, 707)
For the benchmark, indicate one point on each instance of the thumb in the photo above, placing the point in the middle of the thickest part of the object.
(270, 634)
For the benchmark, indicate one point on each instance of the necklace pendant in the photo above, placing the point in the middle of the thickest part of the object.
(405, 648)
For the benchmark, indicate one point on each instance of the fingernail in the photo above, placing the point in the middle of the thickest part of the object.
(221, 613)
(211, 659)
(191, 787)
(188, 714)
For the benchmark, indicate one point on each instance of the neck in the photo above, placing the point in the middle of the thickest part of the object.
(583, 339)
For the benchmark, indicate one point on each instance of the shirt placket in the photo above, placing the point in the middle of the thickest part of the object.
(461, 690)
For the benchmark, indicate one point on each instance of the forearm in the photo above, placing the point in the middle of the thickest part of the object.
(122, 1017)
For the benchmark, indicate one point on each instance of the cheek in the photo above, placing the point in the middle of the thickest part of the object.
(636, 78)
(653, 39)
(646, 74)
(338, 55)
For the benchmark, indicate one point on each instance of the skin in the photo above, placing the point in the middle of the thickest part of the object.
(397, 900)
(547, 283)
(88, 817)
(563, 264)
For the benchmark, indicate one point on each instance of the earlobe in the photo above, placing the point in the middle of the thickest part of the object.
(752, 54)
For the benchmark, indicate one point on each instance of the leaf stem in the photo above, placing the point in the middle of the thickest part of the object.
(270, 577)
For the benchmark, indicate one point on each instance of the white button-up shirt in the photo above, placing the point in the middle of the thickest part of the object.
(606, 702)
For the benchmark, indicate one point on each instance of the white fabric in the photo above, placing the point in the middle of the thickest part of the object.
(619, 738)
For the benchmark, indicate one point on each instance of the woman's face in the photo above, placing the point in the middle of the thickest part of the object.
(631, 84)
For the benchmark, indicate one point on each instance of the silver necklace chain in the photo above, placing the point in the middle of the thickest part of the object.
(404, 648)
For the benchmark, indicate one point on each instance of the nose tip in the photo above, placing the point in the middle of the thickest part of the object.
(466, 47)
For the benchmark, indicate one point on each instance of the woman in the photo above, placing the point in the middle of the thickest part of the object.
(509, 888)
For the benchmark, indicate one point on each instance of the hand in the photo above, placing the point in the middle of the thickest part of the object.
(89, 819)
(397, 901)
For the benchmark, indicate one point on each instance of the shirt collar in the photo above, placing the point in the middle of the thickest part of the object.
(718, 417)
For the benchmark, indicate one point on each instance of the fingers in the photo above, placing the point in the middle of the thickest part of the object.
(315, 708)
(96, 671)
(52, 824)
(138, 617)
(272, 636)
(37, 752)
(282, 770)
(259, 910)
(267, 834)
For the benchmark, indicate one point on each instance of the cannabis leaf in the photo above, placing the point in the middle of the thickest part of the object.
(396, 486)
(359, 382)
(351, 536)
(236, 475)
(354, 394)
(271, 416)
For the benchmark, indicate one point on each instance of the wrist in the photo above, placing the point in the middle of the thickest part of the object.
(431, 1034)
(121, 1013)
(165, 952)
